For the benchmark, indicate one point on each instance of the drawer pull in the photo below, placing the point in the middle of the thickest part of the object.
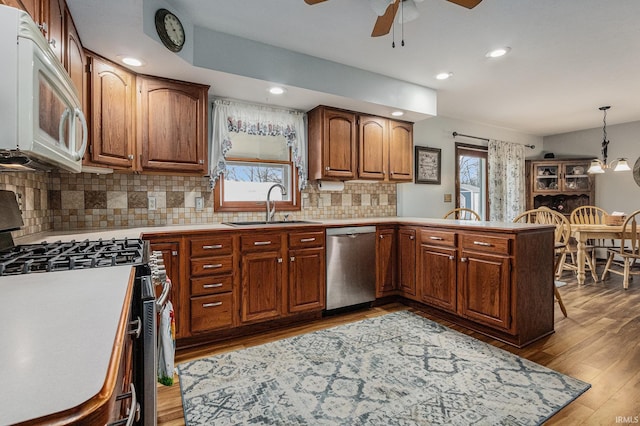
(262, 243)
(436, 238)
(411, 237)
(211, 305)
(212, 247)
(216, 285)
(307, 240)
(214, 266)
(483, 244)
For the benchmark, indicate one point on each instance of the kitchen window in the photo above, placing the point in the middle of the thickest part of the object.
(253, 148)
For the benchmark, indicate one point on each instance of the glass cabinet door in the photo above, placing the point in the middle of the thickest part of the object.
(575, 178)
(546, 177)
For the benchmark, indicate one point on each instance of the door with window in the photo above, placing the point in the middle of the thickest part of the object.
(471, 179)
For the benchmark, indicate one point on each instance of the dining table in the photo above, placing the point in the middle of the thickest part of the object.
(584, 232)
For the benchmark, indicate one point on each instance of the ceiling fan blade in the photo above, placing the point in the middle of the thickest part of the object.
(384, 22)
(469, 4)
(313, 1)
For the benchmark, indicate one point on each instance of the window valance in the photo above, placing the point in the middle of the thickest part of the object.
(234, 116)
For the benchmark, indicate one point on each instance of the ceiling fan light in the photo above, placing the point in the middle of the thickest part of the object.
(497, 53)
(622, 165)
(595, 167)
(380, 6)
(444, 75)
(407, 12)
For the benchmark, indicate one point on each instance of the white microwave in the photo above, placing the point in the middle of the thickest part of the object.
(41, 116)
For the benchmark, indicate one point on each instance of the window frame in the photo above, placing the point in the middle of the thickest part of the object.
(255, 206)
(478, 151)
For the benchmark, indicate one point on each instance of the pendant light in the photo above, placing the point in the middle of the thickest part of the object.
(599, 166)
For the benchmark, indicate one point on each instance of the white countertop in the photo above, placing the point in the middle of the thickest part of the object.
(137, 232)
(56, 337)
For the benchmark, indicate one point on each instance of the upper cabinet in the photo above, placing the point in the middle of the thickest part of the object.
(345, 145)
(112, 92)
(166, 131)
(74, 58)
(561, 185)
(332, 144)
(173, 125)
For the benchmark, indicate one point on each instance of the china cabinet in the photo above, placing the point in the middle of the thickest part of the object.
(561, 185)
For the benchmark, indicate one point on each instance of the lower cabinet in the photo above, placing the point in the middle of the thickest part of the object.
(385, 261)
(437, 276)
(170, 249)
(261, 288)
(407, 260)
(307, 272)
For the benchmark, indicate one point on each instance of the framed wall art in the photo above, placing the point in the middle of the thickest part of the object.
(428, 167)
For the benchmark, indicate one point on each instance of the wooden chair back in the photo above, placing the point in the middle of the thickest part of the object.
(629, 242)
(588, 215)
(461, 213)
(545, 215)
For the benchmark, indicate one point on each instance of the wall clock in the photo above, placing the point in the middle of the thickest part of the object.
(170, 30)
(636, 171)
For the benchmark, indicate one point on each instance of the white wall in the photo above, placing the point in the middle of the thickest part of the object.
(614, 191)
(420, 200)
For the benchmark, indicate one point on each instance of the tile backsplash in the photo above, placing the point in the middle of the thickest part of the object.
(63, 201)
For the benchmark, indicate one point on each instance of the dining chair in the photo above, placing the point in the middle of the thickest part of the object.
(461, 213)
(591, 215)
(629, 251)
(562, 234)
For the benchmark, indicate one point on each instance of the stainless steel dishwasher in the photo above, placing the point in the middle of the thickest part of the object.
(351, 266)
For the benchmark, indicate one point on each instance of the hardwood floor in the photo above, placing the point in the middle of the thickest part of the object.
(599, 342)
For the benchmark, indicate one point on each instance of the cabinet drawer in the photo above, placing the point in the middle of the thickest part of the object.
(485, 243)
(263, 242)
(211, 285)
(438, 238)
(211, 265)
(211, 246)
(211, 312)
(306, 239)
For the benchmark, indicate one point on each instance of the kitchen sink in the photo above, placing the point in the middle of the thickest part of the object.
(264, 222)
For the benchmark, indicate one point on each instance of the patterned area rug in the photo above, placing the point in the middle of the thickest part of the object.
(396, 369)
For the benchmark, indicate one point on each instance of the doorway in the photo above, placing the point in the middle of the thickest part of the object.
(471, 179)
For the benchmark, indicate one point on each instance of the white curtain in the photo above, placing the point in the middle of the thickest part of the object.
(235, 116)
(506, 180)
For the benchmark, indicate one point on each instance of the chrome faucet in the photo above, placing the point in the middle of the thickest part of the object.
(271, 211)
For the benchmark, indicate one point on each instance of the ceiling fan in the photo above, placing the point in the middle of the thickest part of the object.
(387, 9)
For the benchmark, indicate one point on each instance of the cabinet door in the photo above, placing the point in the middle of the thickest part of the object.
(173, 126)
(437, 277)
(112, 94)
(170, 254)
(485, 289)
(74, 58)
(261, 286)
(575, 178)
(339, 144)
(373, 138)
(407, 261)
(306, 280)
(400, 151)
(385, 261)
(55, 19)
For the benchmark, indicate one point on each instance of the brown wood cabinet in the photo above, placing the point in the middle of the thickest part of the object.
(437, 265)
(112, 112)
(75, 59)
(332, 143)
(407, 260)
(211, 272)
(53, 11)
(173, 125)
(346, 145)
(485, 279)
(170, 250)
(561, 185)
(262, 276)
(307, 271)
(385, 261)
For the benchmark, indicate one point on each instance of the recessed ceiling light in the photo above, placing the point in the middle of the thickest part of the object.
(444, 75)
(496, 53)
(134, 62)
(397, 113)
(276, 90)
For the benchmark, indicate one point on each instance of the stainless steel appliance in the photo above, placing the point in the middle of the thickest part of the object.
(351, 269)
(42, 122)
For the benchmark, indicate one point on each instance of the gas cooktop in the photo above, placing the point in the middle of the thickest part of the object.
(62, 256)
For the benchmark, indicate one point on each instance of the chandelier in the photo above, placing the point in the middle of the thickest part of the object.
(599, 166)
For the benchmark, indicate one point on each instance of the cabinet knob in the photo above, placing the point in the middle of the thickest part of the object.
(130, 156)
(279, 260)
(43, 27)
(381, 237)
(292, 258)
(452, 258)
(411, 237)
(463, 259)
(52, 43)
(327, 168)
(200, 161)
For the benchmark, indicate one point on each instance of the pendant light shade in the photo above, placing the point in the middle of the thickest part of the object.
(622, 165)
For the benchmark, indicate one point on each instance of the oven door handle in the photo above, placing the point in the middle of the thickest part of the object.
(166, 289)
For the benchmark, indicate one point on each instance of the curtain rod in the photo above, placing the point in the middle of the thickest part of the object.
(483, 139)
